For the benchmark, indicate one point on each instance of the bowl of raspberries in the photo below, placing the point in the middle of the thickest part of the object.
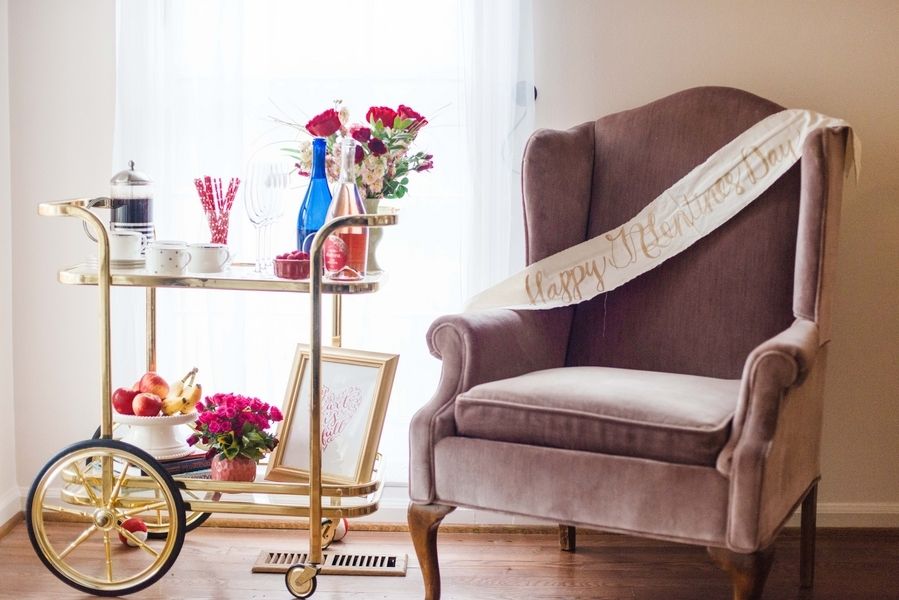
(292, 265)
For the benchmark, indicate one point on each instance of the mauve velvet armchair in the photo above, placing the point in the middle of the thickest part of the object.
(685, 405)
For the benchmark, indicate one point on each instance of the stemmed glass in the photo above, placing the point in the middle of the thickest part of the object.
(263, 201)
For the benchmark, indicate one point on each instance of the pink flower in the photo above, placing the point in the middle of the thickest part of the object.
(275, 414)
(383, 114)
(425, 166)
(325, 124)
(360, 133)
(377, 147)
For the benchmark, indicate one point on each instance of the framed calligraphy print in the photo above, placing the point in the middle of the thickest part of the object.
(355, 391)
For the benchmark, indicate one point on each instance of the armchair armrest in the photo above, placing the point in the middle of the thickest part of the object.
(772, 454)
(772, 367)
(476, 348)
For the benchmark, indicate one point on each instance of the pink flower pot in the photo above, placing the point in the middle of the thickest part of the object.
(239, 468)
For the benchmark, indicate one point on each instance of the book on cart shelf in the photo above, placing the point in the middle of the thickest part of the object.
(187, 464)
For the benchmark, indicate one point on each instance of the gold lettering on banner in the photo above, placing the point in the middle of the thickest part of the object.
(647, 238)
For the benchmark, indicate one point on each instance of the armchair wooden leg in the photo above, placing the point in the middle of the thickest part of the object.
(567, 538)
(748, 572)
(424, 519)
(807, 538)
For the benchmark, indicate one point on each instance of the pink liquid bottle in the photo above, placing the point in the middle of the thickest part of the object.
(346, 250)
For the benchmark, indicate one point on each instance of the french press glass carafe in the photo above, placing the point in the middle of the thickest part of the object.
(132, 202)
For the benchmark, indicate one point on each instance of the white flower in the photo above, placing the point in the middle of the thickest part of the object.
(306, 155)
(344, 115)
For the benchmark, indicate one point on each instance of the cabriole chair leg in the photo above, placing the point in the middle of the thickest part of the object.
(748, 572)
(424, 519)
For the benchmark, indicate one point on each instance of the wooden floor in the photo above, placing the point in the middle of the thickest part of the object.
(215, 563)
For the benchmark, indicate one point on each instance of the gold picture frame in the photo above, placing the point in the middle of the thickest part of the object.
(356, 388)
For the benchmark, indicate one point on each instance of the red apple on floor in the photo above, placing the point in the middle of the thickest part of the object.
(152, 383)
(135, 527)
(146, 404)
(122, 399)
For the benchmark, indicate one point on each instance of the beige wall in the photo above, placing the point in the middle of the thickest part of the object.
(592, 58)
(9, 491)
(62, 72)
(840, 58)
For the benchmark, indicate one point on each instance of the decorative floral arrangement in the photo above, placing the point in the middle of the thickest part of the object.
(383, 154)
(232, 425)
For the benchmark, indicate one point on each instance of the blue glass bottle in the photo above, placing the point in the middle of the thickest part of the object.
(318, 198)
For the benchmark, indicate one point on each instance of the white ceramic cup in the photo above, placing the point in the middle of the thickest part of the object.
(167, 257)
(208, 258)
(125, 245)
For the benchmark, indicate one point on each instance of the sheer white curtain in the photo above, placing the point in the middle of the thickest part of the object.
(197, 86)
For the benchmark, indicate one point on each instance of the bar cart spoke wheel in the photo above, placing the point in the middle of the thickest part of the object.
(86, 514)
(301, 580)
(192, 519)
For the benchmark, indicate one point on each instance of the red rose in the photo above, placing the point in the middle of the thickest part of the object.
(324, 124)
(381, 113)
(407, 113)
(377, 147)
(360, 133)
(360, 154)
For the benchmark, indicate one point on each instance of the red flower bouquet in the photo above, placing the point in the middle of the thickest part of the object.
(383, 157)
(232, 425)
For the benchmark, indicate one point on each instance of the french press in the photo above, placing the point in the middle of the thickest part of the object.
(132, 202)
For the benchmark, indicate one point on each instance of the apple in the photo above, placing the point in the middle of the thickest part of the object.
(146, 404)
(135, 527)
(122, 399)
(152, 383)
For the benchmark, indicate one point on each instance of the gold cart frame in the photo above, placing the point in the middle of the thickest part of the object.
(366, 494)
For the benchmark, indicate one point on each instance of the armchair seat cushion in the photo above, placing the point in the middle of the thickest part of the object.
(668, 417)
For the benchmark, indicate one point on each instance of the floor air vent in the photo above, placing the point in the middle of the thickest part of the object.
(336, 564)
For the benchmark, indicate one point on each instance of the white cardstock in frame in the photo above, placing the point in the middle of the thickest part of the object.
(352, 384)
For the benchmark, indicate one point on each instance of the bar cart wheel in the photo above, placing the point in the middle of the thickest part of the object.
(301, 580)
(192, 518)
(95, 486)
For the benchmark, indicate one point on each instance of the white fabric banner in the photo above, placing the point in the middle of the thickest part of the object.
(699, 203)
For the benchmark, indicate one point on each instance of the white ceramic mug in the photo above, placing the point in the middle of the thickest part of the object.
(125, 245)
(166, 257)
(208, 258)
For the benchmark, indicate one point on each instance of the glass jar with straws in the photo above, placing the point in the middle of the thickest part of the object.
(217, 205)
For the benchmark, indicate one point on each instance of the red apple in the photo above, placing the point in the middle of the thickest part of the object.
(135, 527)
(146, 404)
(152, 383)
(122, 399)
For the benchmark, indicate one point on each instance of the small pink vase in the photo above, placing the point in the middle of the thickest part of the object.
(239, 468)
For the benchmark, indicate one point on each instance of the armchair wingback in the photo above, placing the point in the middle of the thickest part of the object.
(684, 405)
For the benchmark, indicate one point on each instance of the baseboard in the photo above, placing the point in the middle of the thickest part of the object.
(10, 503)
(854, 514)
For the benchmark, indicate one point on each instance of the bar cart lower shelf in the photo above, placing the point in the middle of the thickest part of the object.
(101, 484)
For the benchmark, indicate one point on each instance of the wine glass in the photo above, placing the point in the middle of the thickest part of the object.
(265, 183)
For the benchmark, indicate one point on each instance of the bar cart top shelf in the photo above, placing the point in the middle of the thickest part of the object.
(240, 276)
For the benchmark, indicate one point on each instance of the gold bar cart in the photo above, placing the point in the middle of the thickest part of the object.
(96, 485)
